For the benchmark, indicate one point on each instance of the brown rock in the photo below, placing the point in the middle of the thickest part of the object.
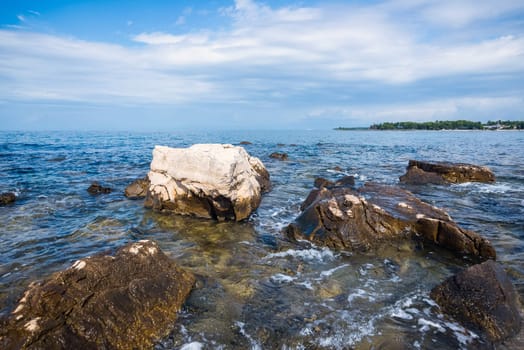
(137, 189)
(96, 189)
(7, 198)
(321, 182)
(481, 296)
(126, 301)
(279, 156)
(341, 217)
(419, 172)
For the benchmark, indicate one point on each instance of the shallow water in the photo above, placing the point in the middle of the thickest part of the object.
(256, 290)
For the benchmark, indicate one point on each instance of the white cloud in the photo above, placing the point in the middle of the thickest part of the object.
(269, 53)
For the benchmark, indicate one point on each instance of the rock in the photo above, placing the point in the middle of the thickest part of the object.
(481, 296)
(344, 218)
(345, 181)
(96, 189)
(125, 301)
(337, 168)
(7, 198)
(321, 182)
(278, 155)
(137, 189)
(419, 172)
(221, 182)
(245, 143)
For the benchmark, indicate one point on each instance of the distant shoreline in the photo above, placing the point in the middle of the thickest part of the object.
(448, 125)
(467, 130)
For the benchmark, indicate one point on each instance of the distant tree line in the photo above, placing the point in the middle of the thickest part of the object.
(449, 125)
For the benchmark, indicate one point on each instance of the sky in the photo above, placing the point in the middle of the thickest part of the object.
(246, 64)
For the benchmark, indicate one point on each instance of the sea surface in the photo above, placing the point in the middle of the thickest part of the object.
(255, 289)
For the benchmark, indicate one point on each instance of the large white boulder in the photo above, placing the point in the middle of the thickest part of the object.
(217, 181)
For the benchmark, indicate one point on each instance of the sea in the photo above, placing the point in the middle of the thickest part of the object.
(255, 289)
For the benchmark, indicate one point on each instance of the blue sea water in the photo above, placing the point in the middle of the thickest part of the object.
(261, 292)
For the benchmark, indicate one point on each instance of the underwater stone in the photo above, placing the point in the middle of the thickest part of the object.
(7, 198)
(481, 296)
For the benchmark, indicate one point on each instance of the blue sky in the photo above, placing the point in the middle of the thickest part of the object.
(245, 64)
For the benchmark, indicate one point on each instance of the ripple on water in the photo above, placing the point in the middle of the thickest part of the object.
(255, 289)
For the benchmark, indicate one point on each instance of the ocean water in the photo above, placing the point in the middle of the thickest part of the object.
(256, 290)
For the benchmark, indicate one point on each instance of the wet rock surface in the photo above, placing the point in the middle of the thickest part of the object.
(124, 301)
(421, 172)
(96, 189)
(483, 297)
(279, 156)
(7, 198)
(345, 218)
(137, 189)
(221, 182)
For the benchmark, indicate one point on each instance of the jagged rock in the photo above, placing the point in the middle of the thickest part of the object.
(125, 301)
(481, 296)
(221, 182)
(7, 198)
(278, 155)
(96, 189)
(419, 172)
(138, 188)
(341, 217)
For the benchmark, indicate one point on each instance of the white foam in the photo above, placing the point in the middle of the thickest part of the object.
(307, 285)
(427, 324)
(281, 278)
(463, 335)
(360, 294)
(310, 255)
(399, 313)
(254, 344)
(487, 188)
(333, 270)
(192, 346)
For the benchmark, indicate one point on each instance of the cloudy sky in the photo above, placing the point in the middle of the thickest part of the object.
(245, 64)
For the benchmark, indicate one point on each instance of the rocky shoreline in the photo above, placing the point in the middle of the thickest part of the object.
(223, 182)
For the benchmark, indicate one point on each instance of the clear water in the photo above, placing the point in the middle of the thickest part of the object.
(255, 290)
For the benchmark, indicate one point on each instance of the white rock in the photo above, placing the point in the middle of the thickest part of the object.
(207, 180)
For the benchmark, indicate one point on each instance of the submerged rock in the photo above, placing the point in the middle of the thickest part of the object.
(341, 217)
(419, 172)
(278, 155)
(125, 301)
(345, 181)
(96, 188)
(7, 198)
(481, 296)
(245, 143)
(137, 189)
(221, 182)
